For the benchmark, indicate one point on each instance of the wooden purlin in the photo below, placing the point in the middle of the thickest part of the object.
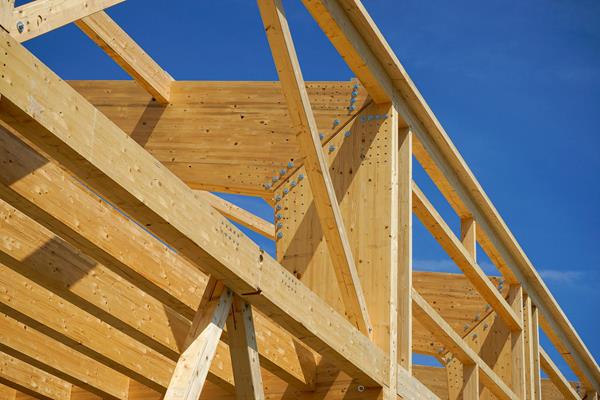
(186, 218)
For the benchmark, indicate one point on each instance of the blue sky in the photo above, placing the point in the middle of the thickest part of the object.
(516, 84)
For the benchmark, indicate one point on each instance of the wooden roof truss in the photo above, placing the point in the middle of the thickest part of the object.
(123, 277)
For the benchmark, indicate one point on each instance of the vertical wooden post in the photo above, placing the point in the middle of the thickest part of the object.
(532, 353)
(515, 298)
(405, 250)
(470, 382)
(535, 339)
(244, 352)
(468, 236)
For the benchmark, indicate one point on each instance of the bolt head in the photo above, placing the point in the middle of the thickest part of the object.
(20, 27)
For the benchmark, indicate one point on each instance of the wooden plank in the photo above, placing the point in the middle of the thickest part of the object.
(31, 346)
(143, 188)
(42, 16)
(455, 344)
(107, 34)
(239, 215)
(201, 344)
(244, 352)
(459, 254)
(316, 167)
(535, 339)
(25, 377)
(557, 377)
(354, 34)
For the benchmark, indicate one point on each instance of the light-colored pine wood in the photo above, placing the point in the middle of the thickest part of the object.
(470, 382)
(107, 34)
(246, 134)
(6, 14)
(33, 379)
(239, 215)
(139, 257)
(468, 236)
(42, 16)
(31, 346)
(459, 254)
(7, 393)
(517, 340)
(201, 344)
(404, 252)
(244, 352)
(317, 170)
(82, 331)
(557, 377)
(457, 346)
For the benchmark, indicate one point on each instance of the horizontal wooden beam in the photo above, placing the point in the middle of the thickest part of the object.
(42, 16)
(27, 378)
(454, 343)
(118, 168)
(33, 347)
(107, 34)
(459, 254)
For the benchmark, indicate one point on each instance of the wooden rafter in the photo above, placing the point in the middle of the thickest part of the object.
(107, 34)
(326, 203)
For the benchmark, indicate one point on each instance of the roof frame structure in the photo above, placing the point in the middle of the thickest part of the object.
(150, 210)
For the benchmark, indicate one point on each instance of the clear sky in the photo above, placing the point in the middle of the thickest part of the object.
(515, 83)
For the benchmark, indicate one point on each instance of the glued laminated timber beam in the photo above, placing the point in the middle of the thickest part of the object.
(128, 54)
(71, 131)
(357, 38)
